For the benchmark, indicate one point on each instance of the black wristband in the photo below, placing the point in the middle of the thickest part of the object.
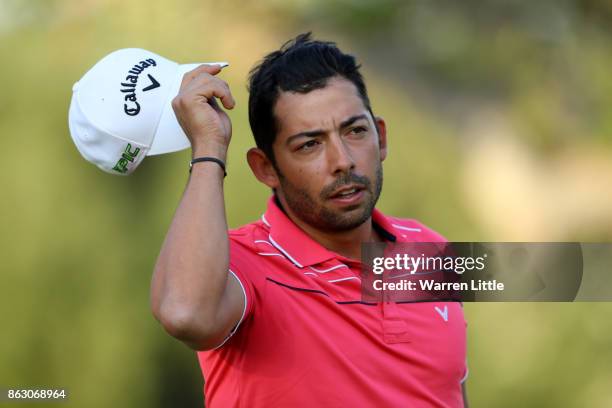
(208, 159)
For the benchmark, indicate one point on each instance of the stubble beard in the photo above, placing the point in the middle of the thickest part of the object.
(317, 215)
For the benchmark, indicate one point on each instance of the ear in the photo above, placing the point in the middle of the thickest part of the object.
(262, 167)
(382, 136)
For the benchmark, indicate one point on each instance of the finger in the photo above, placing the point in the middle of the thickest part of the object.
(209, 87)
(213, 102)
(213, 89)
(201, 69)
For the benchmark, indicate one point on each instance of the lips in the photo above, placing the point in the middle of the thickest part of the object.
(347, 191)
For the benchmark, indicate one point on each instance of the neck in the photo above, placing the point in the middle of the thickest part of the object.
(346, 243)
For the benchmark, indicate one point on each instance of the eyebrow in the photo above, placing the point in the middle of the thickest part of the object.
(318, 132)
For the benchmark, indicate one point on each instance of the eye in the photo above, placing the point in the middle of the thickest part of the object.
(309, 145)
(358, 129)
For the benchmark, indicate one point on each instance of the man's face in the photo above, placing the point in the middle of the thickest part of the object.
(328, 156)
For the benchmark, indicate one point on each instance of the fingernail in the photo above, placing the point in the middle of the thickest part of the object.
(220, 64)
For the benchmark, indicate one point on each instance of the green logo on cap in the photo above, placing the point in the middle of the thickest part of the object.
(127, 157)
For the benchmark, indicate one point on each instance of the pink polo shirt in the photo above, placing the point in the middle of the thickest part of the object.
(306, 339)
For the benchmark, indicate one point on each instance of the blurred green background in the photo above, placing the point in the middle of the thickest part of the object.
(500, 125)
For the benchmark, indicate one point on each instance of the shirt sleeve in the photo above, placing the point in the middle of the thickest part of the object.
(465, 373)
(239, 270)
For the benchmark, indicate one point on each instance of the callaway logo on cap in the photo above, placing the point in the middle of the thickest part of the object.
(121, 109)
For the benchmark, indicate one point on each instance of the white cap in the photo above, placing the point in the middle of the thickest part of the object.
(121, 109)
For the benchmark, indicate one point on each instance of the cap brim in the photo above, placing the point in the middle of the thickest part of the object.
(169, 136)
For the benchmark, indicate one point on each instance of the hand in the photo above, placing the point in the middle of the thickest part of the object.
(206, 125)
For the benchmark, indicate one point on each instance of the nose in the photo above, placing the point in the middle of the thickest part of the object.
(340, 156)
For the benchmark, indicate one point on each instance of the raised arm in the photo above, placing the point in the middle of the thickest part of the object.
(192, 295)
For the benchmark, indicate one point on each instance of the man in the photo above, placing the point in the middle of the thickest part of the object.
(274, 308)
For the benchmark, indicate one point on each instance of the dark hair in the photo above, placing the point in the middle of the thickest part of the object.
(300, 65)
